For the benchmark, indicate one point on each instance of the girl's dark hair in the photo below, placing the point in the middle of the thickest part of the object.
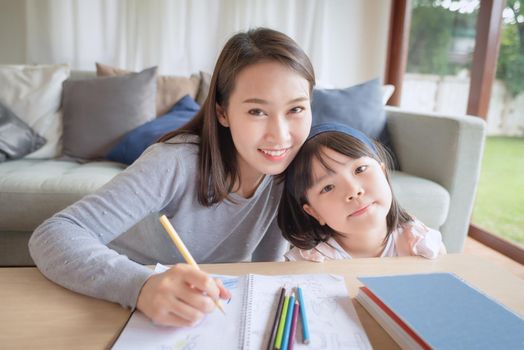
(217, 154)
(300, 228)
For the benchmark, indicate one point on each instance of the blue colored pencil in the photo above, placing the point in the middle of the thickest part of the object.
(303, 316)
(287, 327)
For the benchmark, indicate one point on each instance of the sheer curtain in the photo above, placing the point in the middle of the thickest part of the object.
(346, 40)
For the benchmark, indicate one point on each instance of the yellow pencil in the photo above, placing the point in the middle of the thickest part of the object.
(183, 250)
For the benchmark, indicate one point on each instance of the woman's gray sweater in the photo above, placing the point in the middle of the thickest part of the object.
(97, 245)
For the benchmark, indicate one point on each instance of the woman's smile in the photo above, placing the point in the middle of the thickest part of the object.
(275, 155)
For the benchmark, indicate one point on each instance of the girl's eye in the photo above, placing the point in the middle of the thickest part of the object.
(256, 112)
(327, 188)
(297, 109)
(361, 169)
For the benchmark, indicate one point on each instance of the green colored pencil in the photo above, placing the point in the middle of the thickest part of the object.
(280, 332)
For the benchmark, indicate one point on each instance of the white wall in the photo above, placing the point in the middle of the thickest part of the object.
(364, 27)
(361, 25)
(12, 32)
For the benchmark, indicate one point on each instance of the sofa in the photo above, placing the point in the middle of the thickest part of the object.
(438, 159)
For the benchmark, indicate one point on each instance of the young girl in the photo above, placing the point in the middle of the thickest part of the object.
(213, 179)
(338, 203)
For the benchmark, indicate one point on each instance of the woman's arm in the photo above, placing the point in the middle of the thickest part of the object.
(70, 247)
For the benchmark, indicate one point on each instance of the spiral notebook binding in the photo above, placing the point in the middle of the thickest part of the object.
(245, 322)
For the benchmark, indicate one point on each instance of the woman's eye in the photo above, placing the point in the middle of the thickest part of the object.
(361, 169)
(256, 112)
(327, 188)
(297, 109)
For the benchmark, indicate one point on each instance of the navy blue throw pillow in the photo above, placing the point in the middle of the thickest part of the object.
(137, 140)
(358, 106)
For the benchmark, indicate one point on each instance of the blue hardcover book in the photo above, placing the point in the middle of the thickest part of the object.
(439, 311)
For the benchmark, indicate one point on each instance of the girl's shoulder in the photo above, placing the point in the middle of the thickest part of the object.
(329, 250)
(415, 238)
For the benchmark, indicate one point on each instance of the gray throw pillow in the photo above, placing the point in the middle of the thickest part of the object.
(17, 139)
(99, 112)
(358, 106)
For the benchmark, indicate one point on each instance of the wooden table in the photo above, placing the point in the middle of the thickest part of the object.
(36, 313)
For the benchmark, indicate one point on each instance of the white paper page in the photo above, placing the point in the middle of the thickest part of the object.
(216, 331)
(333, 321)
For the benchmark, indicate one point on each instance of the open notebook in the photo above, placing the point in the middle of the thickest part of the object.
(333, 322)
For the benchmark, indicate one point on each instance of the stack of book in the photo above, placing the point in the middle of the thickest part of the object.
(439, 311)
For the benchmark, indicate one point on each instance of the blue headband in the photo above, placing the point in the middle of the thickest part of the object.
(329, 127)
(334, 127)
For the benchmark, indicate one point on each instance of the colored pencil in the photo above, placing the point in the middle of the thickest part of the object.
(303, 316)
(293, 326)
(183, 250)
(274, 328)
(287, 327)
(281, 323)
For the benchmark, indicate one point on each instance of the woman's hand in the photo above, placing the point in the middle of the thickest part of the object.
(180, 296)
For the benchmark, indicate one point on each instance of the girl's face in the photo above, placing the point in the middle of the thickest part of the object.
(269, 116)
(354, 198)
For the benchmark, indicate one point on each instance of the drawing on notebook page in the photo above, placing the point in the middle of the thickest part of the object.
(183, 344)
(215, 330)
(333, 322)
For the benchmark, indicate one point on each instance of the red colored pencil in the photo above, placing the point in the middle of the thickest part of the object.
(293, 331)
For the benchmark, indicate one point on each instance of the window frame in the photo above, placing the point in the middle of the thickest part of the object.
(483, 69)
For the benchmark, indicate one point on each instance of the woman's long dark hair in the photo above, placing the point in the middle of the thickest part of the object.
(217, 157)
(298, 227)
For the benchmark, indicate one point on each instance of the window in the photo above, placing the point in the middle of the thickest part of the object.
(441, 44)
(499, 206)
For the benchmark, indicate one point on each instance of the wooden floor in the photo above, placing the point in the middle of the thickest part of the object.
(474, 247)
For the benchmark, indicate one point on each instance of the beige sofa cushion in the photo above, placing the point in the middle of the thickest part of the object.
(170, 88)
(203, 89)
(33, 190)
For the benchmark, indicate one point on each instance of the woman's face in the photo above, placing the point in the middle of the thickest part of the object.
(269, 115)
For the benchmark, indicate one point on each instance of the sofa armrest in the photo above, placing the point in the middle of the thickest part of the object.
(444, 149)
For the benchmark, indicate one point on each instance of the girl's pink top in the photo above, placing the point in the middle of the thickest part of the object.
(413, 239)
